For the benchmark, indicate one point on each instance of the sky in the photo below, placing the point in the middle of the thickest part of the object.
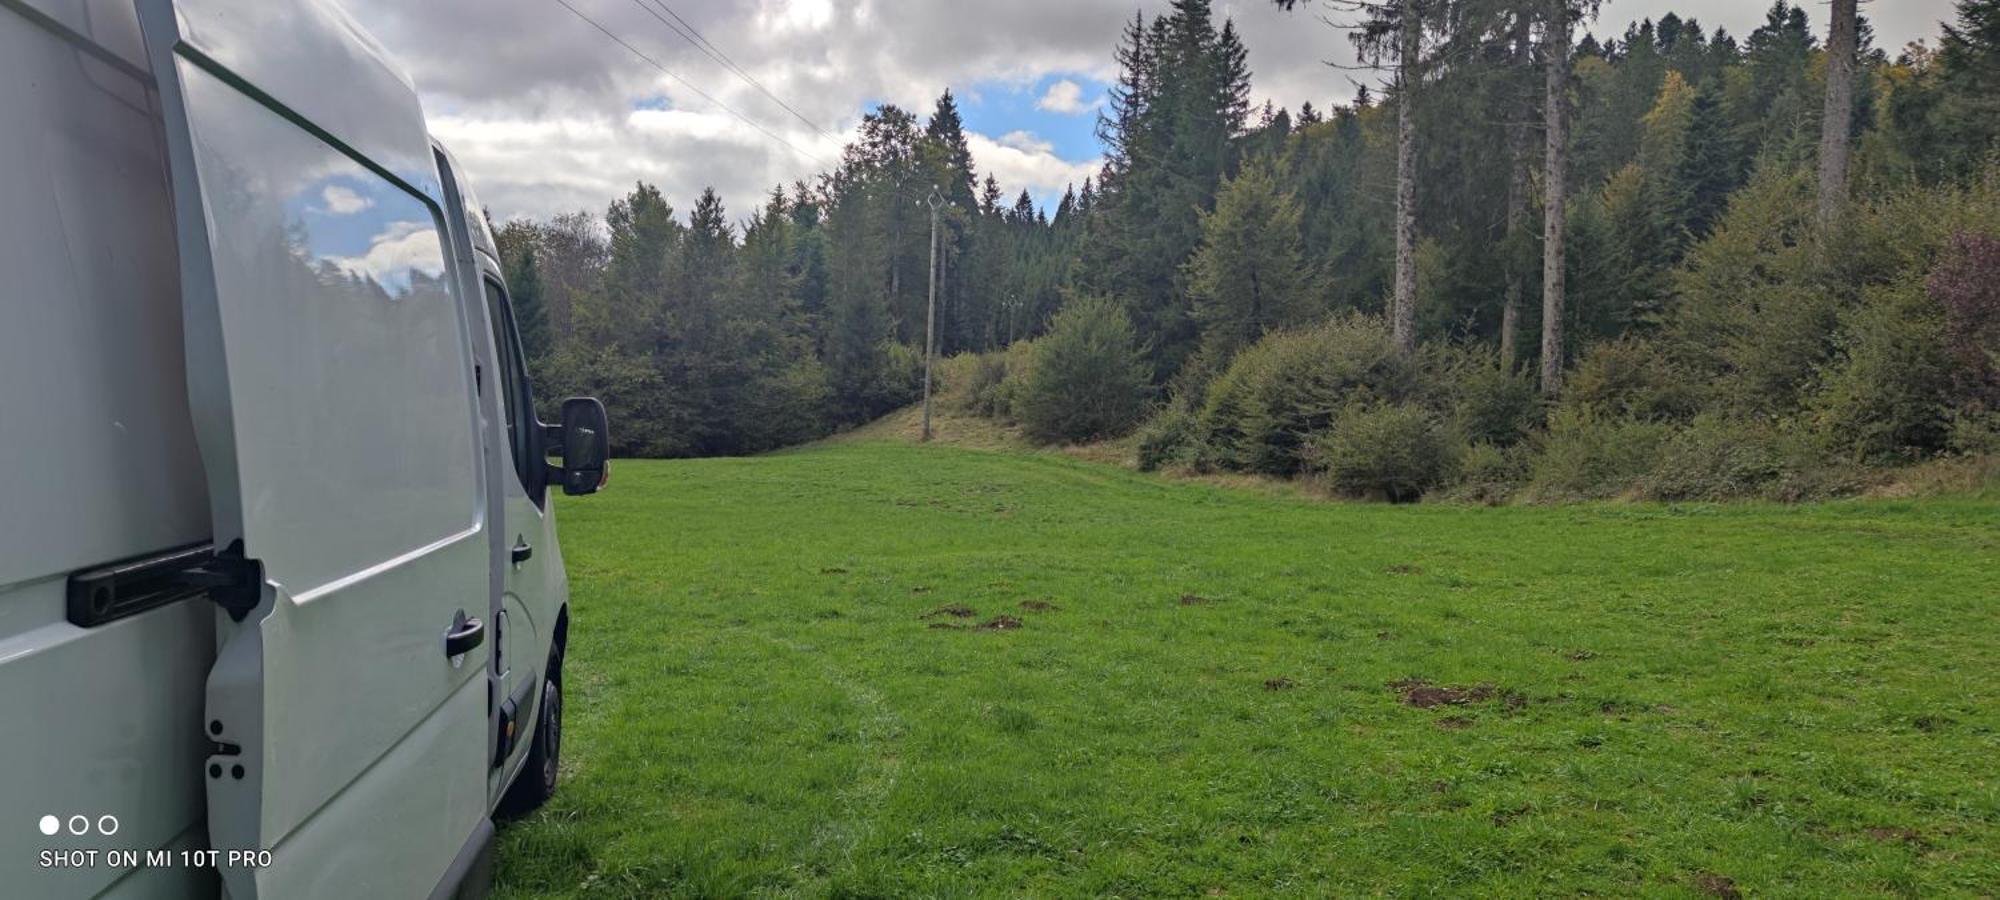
(547, 113)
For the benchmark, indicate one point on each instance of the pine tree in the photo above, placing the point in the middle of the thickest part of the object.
(643, 235)
(1969, 61)
(947, 164)
(519, 242)
(1709, 169)
(524, 285)
(1248, 277)
(1180, 102)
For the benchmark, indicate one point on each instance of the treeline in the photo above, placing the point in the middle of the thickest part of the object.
(707, 338)
(1736, 281)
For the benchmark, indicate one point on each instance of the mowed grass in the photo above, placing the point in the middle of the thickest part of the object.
(1651, 700)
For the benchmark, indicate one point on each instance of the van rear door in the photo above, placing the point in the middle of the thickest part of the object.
(331, 379)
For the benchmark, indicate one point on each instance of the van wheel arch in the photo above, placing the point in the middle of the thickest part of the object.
(536, 782)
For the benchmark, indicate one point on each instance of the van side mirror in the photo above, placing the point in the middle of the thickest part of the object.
(584, 438)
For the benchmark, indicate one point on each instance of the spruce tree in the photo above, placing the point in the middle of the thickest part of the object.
(1248, 276)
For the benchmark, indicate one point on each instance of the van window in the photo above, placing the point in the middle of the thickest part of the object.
(514, 389)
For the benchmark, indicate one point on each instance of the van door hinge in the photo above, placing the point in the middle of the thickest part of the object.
(234, 583)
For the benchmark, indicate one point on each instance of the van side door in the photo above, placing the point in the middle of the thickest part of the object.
(330, 377)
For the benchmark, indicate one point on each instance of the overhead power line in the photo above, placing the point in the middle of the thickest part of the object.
(693, 36)
(686, 83)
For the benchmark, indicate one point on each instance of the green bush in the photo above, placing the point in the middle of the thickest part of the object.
(1393, 452)
(1975, 434)
(1888, 396)
(1489, 474)
(1628, 378)
(1493, 406)
(1086, 378)
(1263, 409)
(1171, 438)
(984, 384)
(1584, 456)
(1716, 459)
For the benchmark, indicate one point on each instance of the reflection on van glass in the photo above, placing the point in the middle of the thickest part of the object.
(365, 230)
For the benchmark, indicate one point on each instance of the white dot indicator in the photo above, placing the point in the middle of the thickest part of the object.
(51, 825)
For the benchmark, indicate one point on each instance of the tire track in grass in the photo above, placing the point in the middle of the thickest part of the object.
(862, 803)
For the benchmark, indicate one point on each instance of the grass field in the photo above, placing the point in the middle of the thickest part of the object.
(1230, 692)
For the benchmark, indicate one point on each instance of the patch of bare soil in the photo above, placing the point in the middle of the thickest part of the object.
(954, 610)
(1579, 655)
(1037, 605)
(1001, 623)
(1195, 600)
(1891, 835)
(1422, 694)
(1455, 723)
(1928, 724)
(1404, 569)
(833, 570)
(1385, 635)
(1717, 885)
(1280, 683)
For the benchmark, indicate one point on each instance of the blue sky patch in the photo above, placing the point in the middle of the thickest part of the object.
(998, 108)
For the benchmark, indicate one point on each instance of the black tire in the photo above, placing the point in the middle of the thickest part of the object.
(536, 782)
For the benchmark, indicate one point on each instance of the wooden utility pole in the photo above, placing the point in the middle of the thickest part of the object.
(930, 315)
(1842, 50)
(1555, 212)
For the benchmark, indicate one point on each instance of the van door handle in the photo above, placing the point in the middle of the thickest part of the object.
(522, 551)
(464, 635)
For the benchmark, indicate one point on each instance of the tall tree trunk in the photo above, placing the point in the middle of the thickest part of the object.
(1519, 138)
(1555, 211)
(1842, 48)
(1403, 314)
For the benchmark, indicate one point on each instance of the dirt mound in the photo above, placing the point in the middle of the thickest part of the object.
(1195, 600)
(954, 610)
(1037, 605)
(1001, 623)
(1280, 683)
(1717, 885)
(1422, 694)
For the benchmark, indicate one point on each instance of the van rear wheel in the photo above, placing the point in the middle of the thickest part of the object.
(536, 782)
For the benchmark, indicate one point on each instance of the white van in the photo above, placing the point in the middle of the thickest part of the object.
(282, 613)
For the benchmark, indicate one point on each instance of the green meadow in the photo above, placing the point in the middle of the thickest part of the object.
(880, 669)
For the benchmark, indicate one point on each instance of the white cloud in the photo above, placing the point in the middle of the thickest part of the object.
(1020, 161)
(1066, 97)
(343, 201)
(1026, 142)
(401, 247)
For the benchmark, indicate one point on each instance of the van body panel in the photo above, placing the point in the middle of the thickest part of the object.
(331, 381)
(102, 721)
